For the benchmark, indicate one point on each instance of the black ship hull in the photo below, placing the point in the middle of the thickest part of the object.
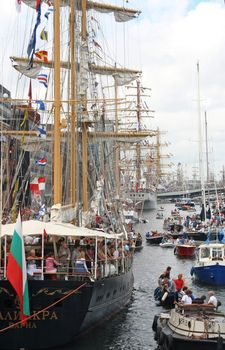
(62, 323)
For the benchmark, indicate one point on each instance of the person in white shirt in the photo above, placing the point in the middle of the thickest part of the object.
(212, 299)
(186, 298)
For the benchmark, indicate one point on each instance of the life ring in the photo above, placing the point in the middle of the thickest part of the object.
(154, 324)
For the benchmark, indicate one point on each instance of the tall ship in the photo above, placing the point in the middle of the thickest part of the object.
(139, 175)
(59, 181)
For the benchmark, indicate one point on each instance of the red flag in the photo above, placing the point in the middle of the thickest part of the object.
(18, 5)
(37, 185)
(34, 186)
(41, 183)
(42, 55)
(38, 3)
(45, 235)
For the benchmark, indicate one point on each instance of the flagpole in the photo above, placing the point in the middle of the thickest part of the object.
(42, 256)
(1, 174)
(200, 145)
(5, 256)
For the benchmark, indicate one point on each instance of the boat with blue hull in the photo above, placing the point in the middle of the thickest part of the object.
(210, 268)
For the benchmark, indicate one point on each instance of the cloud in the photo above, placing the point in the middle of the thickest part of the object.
(173, 36)
(165, 43)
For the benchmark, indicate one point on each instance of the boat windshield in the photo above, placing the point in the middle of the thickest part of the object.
(205, 252)
(217, 253)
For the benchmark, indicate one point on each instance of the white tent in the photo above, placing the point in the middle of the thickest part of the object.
(35, 227)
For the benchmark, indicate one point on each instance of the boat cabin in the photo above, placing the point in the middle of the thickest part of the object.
(211, 252)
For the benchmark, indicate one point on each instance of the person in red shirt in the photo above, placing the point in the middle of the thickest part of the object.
(179, 282)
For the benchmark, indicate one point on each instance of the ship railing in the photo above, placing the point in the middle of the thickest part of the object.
(104, 268)
(117, 266)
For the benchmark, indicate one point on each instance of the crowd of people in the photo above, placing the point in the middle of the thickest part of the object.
(79, 257)
(177, 290)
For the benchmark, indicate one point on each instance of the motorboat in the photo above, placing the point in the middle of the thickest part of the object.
(185, 250)
(167, 244)
(210, 267)
(190, 327)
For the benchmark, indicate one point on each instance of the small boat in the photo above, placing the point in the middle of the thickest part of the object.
(143, 221)
(160, 209)
(175, 213)
(159, 216)
(167, 244)
(190, 327)
(185, 250)
(154, 237)
(210, 267)
(175, 228)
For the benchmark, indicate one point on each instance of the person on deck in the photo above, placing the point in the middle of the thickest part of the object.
(64, 256)
(51, 264)
(187, 299)
(181, 293)
(212, 299)
(32, 266)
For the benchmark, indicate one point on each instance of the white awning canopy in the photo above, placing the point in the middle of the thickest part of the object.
(34, 227)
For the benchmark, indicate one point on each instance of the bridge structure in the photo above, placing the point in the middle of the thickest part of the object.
(190, 193)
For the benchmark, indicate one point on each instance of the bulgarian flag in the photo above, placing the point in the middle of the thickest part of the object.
(16, 269)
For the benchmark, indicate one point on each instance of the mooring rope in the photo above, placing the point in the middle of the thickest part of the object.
(46, 308)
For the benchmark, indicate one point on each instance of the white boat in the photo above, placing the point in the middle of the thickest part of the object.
(168, 244)
(143, 221)
(159, 216)
(161, 209)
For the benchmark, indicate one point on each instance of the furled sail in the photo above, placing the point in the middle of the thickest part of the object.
(124, 78)
(23, 68)
(84, 68)
(121, 14)
(32, 3)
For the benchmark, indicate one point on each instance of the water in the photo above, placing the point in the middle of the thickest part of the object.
(131, 329)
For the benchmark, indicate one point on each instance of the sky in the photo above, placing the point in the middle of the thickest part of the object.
(173, 36)
(166, 42)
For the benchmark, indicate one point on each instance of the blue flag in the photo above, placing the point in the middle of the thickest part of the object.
(42, 133)
(32, 42)
(221, 236)
(41, 105)
(208, 237)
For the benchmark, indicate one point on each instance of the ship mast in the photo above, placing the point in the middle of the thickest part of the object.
(138, 146)
(57, 176)
(73, 137)
(84, 122)
(200, 144)
(117, 175)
